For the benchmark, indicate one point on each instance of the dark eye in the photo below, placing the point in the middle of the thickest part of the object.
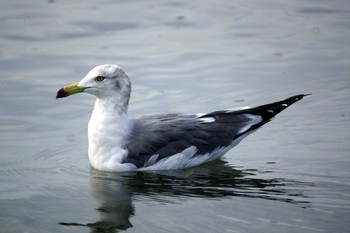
(99, 78)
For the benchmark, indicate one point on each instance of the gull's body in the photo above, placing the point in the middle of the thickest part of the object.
(159, 142)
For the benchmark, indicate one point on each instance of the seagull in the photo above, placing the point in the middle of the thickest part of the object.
(169, 141)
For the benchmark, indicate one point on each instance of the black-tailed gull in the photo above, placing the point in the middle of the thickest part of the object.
(159, 142)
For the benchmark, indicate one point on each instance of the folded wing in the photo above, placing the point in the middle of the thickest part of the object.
(158, 137)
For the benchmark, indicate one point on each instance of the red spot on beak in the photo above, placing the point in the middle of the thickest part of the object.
(61, 93)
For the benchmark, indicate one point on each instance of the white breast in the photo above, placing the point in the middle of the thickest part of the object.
(107, 136)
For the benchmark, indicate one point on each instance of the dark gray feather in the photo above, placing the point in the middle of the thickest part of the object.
(169, 134)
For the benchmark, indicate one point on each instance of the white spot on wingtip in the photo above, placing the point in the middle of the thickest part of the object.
(207, 119)
(285, 105)
(270, 111)
(198, 115)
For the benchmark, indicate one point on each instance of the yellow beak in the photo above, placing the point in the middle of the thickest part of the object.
(69, 90)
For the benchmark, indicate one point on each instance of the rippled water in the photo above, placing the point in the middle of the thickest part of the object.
(291, 176)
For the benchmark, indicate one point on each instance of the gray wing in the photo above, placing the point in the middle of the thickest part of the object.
(169, 134)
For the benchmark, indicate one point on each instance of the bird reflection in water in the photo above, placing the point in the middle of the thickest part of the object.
(115, 191)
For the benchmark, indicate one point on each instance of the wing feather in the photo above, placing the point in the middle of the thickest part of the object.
(157, 137)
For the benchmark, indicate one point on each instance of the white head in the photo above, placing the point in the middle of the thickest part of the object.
(109, 83)
(105, 81)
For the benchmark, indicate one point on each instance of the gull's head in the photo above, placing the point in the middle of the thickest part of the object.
(104, 81)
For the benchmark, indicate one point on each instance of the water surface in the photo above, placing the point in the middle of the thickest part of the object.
(291, 176)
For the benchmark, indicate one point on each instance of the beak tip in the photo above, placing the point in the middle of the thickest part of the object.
(61, 93)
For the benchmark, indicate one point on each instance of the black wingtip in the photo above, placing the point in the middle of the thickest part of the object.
(303, 95)
(268, 111)
(281, 105)
(291, 100)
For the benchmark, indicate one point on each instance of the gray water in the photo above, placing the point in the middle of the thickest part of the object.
(291, 176)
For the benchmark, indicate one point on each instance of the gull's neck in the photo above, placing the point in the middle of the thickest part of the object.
(109, 128)
(116, 105)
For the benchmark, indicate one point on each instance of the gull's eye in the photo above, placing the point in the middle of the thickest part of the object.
(99, 78)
